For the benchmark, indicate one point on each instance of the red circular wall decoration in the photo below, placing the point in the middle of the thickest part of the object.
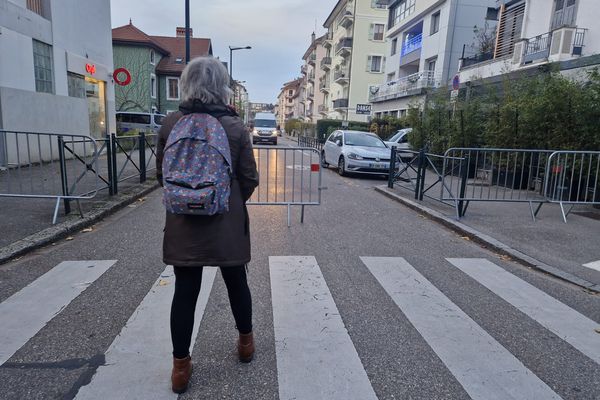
(125, 81)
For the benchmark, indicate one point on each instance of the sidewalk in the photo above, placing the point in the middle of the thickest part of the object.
(566, 247)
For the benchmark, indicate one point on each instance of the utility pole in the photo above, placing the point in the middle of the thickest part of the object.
(187, 31)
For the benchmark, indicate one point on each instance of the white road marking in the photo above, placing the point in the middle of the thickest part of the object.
(566, 323)
(484, 368)
(26, 312)
(593, 265)
(138, 362)
(316, 358)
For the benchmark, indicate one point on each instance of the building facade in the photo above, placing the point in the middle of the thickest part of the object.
(155, 64)
(288, 102)
(426, 40)
(314, 76)
(56, 67)
(531, 34)
(355, 47)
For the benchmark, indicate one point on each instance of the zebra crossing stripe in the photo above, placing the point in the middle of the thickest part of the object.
(484, 368)
(593, 265)
(566, 323)
(26, 312)
(138, 362)
(316, 358)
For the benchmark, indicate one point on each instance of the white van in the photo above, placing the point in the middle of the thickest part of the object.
(265, 128)
(142, 122)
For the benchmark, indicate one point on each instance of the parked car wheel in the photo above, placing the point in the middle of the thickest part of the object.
(342, 167)
(324, 163)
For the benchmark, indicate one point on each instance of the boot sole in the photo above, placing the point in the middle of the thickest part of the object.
(246, 360)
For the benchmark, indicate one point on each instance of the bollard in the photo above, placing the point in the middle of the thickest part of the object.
(392, 171)
(142, 148)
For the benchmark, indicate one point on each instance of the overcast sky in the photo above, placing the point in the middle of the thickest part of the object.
(278, 31)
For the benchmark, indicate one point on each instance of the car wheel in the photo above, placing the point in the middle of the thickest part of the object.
(324, 163)
(342, 166)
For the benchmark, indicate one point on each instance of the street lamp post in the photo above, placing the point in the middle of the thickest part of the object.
(231, 50)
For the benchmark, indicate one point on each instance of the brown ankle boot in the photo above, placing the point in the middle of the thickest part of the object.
(246, 347)
(182, 372)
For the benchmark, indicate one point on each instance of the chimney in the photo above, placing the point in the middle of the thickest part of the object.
(313, 37)
(180, 32)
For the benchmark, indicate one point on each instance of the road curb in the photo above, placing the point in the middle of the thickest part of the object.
(489, 242)
(74, 223)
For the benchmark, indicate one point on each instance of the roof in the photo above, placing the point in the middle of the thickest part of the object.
(130, 34)
(176, 46)
(333, 13)
(172, 48)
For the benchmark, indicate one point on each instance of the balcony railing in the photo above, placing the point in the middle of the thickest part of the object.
(344, 45)
(340, 103)
(406, 86)
(303, 70)
(311, 76)
(537, 48)
(476, 59)
(323, 109)
(340, 75)
(412, 44)
(312, 58)
(328, 40)
(326, 63)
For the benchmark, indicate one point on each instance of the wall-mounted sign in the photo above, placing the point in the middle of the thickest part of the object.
(456, 82)
(90, 69)
(364, 109)
(122, 77)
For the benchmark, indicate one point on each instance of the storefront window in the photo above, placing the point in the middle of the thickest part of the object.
(76, 85)
(96, 98)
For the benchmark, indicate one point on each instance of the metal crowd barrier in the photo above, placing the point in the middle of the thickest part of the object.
(573, 178)
(289, 176)
(71, 167)
(496, 175)
(308, 141)
(49, 166)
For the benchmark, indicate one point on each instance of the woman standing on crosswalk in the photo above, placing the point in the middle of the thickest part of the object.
(194, 241)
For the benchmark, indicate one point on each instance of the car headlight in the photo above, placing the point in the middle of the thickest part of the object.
(274, 133)
(255, 132)
(354, 156)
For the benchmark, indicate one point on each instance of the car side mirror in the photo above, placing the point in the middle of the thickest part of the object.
(338, 142)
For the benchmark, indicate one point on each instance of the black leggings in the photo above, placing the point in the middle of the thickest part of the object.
(187, 288)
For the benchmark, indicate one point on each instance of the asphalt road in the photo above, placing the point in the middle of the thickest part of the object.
(411, 314)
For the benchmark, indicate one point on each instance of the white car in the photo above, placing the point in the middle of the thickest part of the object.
(400, 141)
(356, 152)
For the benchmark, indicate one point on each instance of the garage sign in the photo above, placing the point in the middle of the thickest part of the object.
(364, 109)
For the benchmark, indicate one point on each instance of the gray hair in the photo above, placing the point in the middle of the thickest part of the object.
(205, 79)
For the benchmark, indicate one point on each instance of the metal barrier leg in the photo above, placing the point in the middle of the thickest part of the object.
(142, 148)
(63, 173)
(79, 208)
(392, 171)
(289, 215)
(531, 210)
(562, 209)
(537, 210)
(55, 217)
(302, 215)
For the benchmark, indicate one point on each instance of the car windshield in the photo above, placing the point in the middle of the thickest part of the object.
(265, 123)
(363, 139)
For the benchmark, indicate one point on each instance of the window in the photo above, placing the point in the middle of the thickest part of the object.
(401, 11)
(42, 65)
(153, 86)
(290, 92)
(375, 63)
(394, 46)
(172, 88)
(564, 13)
(431, 64)
(152, 57)
(76, 85)
(376, 32)
(509, 31)
(375, 4)
(140, 119)
(391, 77)
(435, 22)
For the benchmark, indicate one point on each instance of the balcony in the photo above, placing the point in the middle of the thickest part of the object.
(323, 109)
(312, 59)
(324, 86)
(326, 63)
(412, 44)
(348, 18)
(303, 69)
(310, 95)
(344, 47)
(340, 104)
(341, 76)
(311, 76)
(328, 42)
(407, 86)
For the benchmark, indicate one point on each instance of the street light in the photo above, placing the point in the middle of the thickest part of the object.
(231, 50)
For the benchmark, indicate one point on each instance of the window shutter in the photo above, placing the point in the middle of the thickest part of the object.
(369, 63)
(371, 31)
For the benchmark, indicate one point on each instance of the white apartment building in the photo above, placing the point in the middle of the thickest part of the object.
(425, 43)
(56, 66)
(314, 75)
(534, 33)
(356, 56)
